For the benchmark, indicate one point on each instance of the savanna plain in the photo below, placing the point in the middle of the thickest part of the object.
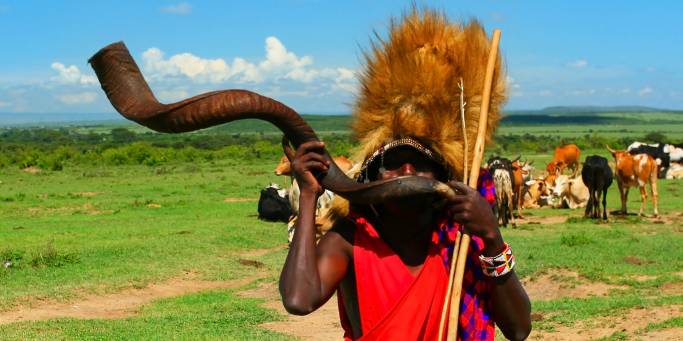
(110, 231)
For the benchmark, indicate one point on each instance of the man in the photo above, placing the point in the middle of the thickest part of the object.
(388, 263)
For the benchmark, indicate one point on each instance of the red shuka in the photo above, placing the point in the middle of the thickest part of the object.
(393, 303)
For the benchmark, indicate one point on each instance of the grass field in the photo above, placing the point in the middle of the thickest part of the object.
(89, 231)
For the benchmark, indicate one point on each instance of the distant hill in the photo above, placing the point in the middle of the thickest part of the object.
(19, 119)
(572, 110)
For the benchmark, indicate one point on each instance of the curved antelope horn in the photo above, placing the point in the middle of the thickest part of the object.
(128, 92)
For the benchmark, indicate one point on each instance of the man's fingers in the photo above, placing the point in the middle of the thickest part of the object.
(313, 157)
(315, 166)
(309, 146)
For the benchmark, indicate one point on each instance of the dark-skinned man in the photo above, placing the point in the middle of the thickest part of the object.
(388, 263)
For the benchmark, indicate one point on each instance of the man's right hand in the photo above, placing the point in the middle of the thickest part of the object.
(308, 160)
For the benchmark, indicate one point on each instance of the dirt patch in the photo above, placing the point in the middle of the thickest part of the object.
(671, 334)
(323, 324)
(563, 283)
(121, 304)
(548, 220)
(240, 199)
(671, 288)
(87, 209)
(32, 170)
(629, 322)
(636, 261)
(252, 263)
(86, 194)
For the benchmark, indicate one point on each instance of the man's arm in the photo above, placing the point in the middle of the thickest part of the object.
(311, 272)
(510, 303)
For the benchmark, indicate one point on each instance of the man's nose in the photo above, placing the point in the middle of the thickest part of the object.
(407, 169)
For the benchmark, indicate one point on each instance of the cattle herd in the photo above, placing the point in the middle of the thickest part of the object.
(584, 186)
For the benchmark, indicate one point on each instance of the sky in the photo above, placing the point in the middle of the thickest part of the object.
(306, 53)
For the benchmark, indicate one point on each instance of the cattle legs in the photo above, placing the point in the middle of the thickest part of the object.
(623, 192)
(604, 205)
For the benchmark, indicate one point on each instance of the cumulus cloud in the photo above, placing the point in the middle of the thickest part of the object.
(78, 98)
(645, 91)
(278, 64)
(580, 63)
(71, 75)
(182, 8)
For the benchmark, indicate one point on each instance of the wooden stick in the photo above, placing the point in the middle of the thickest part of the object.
(463, 248)
(451, 275)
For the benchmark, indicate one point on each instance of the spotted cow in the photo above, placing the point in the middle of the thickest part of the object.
(635, 170)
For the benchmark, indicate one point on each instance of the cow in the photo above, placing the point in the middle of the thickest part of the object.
(597, 175)
(284, 167)
(635, 170)
(570, 192)
(503, 186)
(535, 193)
(675, 153)
(519, 172)
(675, 171)
(565, 156)
(658, 151)
(273, 204)
(324, 201)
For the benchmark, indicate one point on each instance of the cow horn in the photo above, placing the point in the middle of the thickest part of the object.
(130, 95)
(610, 149)
(517, 158)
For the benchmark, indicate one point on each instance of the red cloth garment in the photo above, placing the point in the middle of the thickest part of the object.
(393, 303)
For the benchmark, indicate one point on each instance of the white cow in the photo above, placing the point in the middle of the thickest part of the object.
(675, 171)
(570, 192)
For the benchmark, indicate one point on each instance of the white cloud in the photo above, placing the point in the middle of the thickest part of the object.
(180, 9)
(645, 91)
(71, 75)
(4, 104)
(78, 98)
(278, 64)
(545, 93)
(580, 63)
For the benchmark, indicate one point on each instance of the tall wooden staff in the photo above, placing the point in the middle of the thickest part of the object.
(461, 247)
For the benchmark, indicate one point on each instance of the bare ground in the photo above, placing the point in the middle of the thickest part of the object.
(629, 322)
(121, 304)
(563, 283)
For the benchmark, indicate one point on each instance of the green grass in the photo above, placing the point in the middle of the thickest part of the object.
(94, 230)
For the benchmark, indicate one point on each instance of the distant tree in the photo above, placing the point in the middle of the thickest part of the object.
(122, 135)
(654, 137)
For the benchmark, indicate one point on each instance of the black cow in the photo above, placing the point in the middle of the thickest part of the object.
(597, 176)
(273, 204)
(656, 151)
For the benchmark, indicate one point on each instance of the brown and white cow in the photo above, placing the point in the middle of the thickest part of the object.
(565, 156)
(518, 173)
(635, 170)
(285, 167)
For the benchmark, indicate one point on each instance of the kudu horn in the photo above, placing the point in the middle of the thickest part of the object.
(130, 95)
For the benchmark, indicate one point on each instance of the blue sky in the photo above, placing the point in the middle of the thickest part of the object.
(306, 52)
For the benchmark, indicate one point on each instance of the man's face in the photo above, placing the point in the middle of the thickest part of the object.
(406, 160)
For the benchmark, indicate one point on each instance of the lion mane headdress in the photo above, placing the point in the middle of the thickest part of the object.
(414, 85)
(412, 82)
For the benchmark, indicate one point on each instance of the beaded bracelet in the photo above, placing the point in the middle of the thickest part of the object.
(499, 265)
